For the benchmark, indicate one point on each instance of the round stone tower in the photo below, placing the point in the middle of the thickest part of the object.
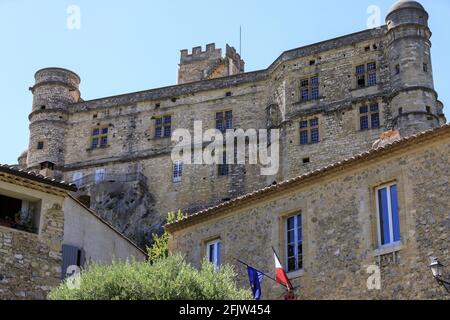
(54, 90)
(414, 103)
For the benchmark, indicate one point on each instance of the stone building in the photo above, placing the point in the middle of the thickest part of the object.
(44, 232)
(386, 209)
(330, 101)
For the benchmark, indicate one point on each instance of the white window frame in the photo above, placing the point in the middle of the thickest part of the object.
(216, 259)
(100, 175)
(177, 171)
(77, 177)
(391, 227)
(286, 231)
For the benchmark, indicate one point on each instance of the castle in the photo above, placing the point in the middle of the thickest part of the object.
(330, 101)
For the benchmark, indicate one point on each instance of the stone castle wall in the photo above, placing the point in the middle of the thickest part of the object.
(340, 229)
(130, 117)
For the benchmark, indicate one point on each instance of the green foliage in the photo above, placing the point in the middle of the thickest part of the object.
(160, 247)
(166, 279)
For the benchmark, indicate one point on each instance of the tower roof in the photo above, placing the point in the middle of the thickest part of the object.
(406, 4)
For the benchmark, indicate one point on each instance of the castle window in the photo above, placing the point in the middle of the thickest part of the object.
(366, 76)
(309, 131)
(309, 89)
(294, 243)
(99, 138)
(223, 168)
(369, 117)
(428, 108)
(40, 145)
(224, 120)
(177, 171)
(397, 69)
(387, 215)
(163, 127)
(213, 253)
(425, 67)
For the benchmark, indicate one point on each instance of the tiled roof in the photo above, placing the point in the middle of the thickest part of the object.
(199, 216)
(37, 177)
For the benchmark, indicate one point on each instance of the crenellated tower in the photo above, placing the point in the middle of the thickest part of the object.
(414, 102)
(54, 90)
(209, 64)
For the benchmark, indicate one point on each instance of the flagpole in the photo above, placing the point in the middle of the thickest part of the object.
(265, 275)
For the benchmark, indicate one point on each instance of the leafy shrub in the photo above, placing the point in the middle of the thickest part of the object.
(160, 247)
(166, 279)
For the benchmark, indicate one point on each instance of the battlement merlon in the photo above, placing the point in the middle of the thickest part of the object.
(232, 54)
(211, 53)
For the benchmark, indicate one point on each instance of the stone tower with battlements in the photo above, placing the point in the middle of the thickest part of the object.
(330, 101)
(209, 64)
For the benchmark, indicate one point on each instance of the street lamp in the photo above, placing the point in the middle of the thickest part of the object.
(437, 268)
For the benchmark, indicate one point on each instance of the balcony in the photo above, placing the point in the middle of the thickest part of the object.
(97, 178)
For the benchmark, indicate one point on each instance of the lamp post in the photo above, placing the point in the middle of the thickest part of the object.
(437, 269)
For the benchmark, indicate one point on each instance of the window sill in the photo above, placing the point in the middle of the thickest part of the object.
(99, 148)
(14, 230)
(365, 87)
(296, 274)
(309, 101)
(387, 249)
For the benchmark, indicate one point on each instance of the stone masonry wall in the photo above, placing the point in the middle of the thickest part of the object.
(30, 264)
(339, 229)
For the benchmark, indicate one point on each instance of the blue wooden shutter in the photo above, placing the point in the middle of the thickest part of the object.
(70, 257)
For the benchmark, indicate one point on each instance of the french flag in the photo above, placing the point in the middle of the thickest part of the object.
(281, 275)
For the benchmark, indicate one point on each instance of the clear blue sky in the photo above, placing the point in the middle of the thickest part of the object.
(126, 46)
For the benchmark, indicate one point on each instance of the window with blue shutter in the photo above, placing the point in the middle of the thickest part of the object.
(71, 256)
(388, 217)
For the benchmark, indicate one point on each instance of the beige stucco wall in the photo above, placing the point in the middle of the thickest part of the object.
(340, 230)
(100, 243)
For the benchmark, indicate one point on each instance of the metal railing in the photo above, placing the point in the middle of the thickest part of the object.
(97, 178)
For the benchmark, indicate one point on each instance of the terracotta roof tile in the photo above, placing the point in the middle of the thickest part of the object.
(37, 177)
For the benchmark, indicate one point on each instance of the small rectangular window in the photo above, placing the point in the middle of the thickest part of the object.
(369, 117)
(163, 127)
(366, 75)
(388, 217)
(223, 168)
(177, 171)
(213, 249)
(361, 69)
(304, 137)
(294, 243)
(309, 131)
(397, 69)
(425, 67)
(224, 120)
(99, 138)
(40, 145)
(309, 89)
